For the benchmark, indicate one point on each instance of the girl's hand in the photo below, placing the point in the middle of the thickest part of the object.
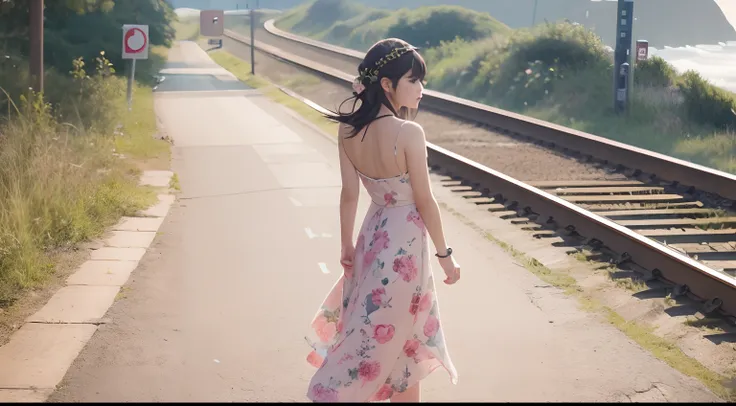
(346, 258)
(451, 268)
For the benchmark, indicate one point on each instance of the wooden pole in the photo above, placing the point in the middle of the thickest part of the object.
(36, 36)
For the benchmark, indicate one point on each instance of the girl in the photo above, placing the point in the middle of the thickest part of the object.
(378, 332)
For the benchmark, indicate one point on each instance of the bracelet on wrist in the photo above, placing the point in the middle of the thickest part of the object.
(447, 254)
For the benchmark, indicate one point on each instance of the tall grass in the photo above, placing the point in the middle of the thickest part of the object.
(62, 179)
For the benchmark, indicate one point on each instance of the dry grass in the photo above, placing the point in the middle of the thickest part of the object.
(62, 184)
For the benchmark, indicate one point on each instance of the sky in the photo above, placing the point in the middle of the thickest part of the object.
(715, 62)
(729, 9)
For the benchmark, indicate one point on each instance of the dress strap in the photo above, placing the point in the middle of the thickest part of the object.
(396, 146)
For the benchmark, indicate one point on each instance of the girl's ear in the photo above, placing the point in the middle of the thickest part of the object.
(386, 84)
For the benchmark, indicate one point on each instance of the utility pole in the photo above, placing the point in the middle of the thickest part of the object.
(622, 55)
(534, 13)
(252, 13)
(36, 36)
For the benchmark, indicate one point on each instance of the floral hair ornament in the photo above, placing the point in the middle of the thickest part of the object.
(371, 75)
(358, 86)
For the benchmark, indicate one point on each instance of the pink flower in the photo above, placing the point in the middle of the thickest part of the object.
(369, 370)
(376, 297)
(414, 306)
(358, 87)
(325, 330)
(314, 359)
(383, 393)
(322, 394)
(389, 198)
(431, 326)
(339, 326)
(426, 302)
(406, 267)
(380, 240)
(411, 347)
(383, 333)
(414, 217)
(369, 257)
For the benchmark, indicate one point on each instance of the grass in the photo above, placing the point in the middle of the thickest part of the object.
(556, 72)
(64, 182)
(661, 348)
(187, 29)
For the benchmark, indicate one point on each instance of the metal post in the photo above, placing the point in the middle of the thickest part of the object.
(36, 35)
(534, 13)
(252, 41)
(622, 54)
(131, 78)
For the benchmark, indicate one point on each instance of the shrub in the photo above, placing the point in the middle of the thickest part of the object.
(655, 72)
(430, 26)
(707, 104)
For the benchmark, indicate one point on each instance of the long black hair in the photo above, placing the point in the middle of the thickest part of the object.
(380, 62)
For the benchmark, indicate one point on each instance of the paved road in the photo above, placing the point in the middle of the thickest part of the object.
(219, 306)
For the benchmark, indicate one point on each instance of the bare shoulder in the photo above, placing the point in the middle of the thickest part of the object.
(413, 133)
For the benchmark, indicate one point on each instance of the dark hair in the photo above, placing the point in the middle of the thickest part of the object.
(373, 96)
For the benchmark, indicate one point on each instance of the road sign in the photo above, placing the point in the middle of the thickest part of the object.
(135, 41)
(211, 23)
(642, 50)
(215, 41)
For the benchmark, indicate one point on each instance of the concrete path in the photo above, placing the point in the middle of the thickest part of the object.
(219, 305)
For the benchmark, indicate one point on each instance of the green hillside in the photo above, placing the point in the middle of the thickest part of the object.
(557, 72)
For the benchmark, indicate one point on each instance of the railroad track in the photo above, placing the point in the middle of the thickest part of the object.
(670, 217)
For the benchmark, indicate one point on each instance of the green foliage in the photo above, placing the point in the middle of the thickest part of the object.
(707, 104)
(655, 71)
(430, 26)
(84, 28)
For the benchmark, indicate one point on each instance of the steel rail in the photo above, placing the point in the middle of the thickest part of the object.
(716, 289)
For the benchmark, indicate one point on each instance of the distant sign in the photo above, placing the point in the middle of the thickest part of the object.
(642, 50)
(211, 23)
(135, 41)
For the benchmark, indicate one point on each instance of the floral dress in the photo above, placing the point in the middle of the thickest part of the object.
(378, 332)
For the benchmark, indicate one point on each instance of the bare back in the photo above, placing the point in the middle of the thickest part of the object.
(377, 153)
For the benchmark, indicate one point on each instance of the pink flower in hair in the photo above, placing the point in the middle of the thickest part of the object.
(358, 87)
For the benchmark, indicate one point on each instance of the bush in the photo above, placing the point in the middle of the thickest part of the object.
(655, 72)
(323, 14)
(707, 104)
(430, 26)
(522, 70)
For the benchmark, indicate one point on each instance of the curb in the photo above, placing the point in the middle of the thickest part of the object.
(39, 354)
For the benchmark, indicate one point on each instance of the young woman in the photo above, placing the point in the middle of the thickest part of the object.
(378, 332)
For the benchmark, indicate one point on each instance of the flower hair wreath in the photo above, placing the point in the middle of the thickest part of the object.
(371, 75)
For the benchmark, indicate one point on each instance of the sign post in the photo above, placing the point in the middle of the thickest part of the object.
(622, 55)
(252, 13)
(212, 24)
(135, 46)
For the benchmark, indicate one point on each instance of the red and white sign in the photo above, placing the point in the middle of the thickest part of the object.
(642, 50)
(135, 41)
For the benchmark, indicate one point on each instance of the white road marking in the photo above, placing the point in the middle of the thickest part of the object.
(323, 267)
